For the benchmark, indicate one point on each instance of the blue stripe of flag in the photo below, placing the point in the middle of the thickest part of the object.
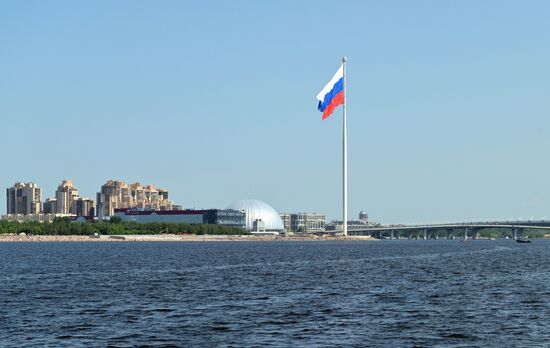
(338, 87)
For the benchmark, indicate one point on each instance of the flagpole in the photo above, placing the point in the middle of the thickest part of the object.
(345, 156)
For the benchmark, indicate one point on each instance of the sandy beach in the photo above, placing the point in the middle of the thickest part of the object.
(170, 238)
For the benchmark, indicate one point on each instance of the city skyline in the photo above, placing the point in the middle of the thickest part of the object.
(446, 122)
(141, 195)
(66, 199)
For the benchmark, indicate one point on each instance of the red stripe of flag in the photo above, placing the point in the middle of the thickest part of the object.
(337, 100)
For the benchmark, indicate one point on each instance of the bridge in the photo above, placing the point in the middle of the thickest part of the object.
(446, 230)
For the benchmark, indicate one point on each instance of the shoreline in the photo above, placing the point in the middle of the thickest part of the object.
(172, 238)
(11, 238)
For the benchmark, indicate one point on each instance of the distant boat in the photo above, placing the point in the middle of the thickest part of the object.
(523, 240)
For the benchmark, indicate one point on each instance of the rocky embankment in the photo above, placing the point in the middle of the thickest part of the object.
(168, 238)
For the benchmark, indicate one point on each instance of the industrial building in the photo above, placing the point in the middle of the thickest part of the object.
(362, 222)
(303, 222)
(225, 217)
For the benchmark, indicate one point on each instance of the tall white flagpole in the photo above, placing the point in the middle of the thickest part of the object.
(345, 156)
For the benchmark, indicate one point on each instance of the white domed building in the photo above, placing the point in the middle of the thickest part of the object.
(260, 216)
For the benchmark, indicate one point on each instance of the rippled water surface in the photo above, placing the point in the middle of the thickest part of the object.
(387, 294)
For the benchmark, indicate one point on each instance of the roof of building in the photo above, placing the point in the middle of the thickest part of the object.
(158, 212)
(255, 210)
(128, 211)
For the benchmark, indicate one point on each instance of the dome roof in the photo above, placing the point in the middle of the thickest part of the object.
(258, 210)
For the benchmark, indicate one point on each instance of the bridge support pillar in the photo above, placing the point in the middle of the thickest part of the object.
(518, 232)
(425, 233)
(466, 230)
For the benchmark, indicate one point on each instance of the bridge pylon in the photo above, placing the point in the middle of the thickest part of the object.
(517, 231)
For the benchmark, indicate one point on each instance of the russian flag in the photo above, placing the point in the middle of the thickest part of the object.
(333, 94)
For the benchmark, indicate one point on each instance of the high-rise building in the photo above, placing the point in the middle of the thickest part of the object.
(85, 207)
(66, 196)
(115, 194)
(50, 206)
(147, 197)
(109, 198)
(24, 198)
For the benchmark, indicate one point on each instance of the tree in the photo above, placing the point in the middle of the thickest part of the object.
(115, 219)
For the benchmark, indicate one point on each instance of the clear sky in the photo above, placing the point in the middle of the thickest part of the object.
(448, 103)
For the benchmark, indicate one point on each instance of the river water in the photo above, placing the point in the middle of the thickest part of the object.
(376, 294)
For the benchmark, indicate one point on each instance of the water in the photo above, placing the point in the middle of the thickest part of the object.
(377, 294)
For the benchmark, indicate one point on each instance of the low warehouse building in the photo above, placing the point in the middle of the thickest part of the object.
(226, 217)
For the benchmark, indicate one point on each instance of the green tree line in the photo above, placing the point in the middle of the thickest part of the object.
(508, 232)
(62, 226)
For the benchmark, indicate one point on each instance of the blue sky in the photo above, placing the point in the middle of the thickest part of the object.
(448, 103)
